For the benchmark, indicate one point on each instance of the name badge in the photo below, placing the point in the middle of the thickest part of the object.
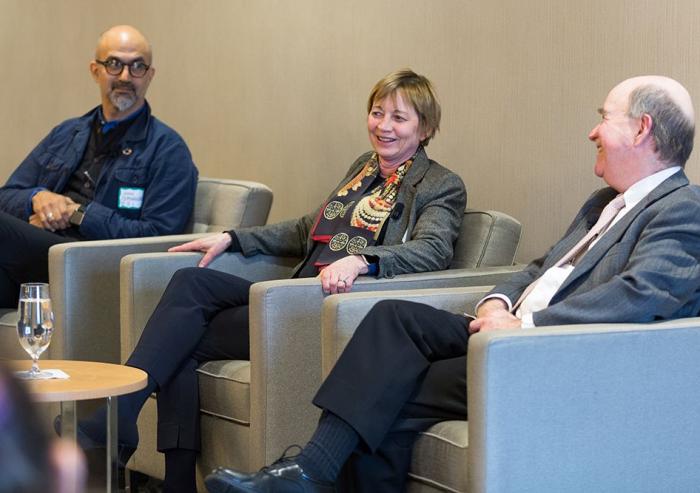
(130, 198)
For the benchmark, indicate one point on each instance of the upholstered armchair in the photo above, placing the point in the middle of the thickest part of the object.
(251, 410)
(605, 407)
(84, 276)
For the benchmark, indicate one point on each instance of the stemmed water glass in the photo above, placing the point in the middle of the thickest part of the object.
(35, 324)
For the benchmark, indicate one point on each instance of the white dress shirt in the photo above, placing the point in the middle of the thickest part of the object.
(553, 278)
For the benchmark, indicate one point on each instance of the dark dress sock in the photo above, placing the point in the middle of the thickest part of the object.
(329, 448)
(180, 471)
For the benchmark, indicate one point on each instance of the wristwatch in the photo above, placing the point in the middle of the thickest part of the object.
(76, 219)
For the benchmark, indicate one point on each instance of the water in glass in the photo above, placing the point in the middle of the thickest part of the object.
(35, 324)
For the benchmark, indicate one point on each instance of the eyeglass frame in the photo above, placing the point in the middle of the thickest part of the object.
(104, 63)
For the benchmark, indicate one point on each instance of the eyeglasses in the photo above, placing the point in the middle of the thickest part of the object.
(115, 66)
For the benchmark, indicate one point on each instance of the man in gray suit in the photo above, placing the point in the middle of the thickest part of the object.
(632, 254)
(644, 266)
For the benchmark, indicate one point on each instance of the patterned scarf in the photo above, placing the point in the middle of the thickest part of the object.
(348, 235)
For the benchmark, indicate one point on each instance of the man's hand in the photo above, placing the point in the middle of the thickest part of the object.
(339, 276)
(52, 210)
(492, 305)
(213, 246)
(494, 315)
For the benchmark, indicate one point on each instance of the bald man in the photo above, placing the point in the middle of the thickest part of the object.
(115, 172)
(404, 368)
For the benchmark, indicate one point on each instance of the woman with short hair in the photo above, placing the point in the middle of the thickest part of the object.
(395, 212)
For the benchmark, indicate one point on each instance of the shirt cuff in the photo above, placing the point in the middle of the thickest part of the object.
(30, 207)
(498, 296)
(235, 245)
(372, 264)
(527, 321)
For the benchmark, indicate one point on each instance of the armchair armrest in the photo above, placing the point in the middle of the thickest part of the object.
(144, 277)
(451, 278)
(342, 314)
(606, 407)
(84, 278)
(285, 350)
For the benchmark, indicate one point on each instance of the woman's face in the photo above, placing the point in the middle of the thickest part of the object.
(393, 126)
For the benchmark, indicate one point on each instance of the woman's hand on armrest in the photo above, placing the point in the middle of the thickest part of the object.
(339, 276)
(212, 246)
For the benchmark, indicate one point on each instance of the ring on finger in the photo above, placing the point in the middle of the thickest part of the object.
(49, 215)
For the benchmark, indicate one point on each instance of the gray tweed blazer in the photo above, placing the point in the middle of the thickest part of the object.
(419, 236)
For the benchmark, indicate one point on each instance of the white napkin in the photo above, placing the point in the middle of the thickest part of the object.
(43, 375)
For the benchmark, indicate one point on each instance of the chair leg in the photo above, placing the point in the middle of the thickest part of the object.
(138, 482)
(129, 484)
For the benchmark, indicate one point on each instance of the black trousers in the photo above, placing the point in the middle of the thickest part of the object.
(403, 370)
(202, 316)
(24, 256)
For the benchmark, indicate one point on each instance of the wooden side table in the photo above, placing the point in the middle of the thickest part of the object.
(88, 380)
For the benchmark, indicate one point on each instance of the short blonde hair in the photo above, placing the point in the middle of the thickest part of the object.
(416, 90)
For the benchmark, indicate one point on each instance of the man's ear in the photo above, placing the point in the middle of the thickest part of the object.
(646, 123)
(94, 67)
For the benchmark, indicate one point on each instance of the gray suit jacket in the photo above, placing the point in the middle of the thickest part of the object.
(420, 233)
(645, 267)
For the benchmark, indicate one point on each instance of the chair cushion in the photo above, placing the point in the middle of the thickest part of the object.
(440, 456)
(8, 317)
(224, 389)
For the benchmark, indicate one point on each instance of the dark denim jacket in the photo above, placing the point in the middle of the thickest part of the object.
(146, 190)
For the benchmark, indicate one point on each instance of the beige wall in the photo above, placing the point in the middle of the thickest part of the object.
(274, 91)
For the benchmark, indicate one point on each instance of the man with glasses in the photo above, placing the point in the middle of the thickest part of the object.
(115, 172)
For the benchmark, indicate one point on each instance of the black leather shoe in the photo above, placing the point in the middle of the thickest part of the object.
(284, 476)
(86, 442)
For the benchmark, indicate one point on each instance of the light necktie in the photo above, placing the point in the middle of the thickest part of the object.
(606, 217)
